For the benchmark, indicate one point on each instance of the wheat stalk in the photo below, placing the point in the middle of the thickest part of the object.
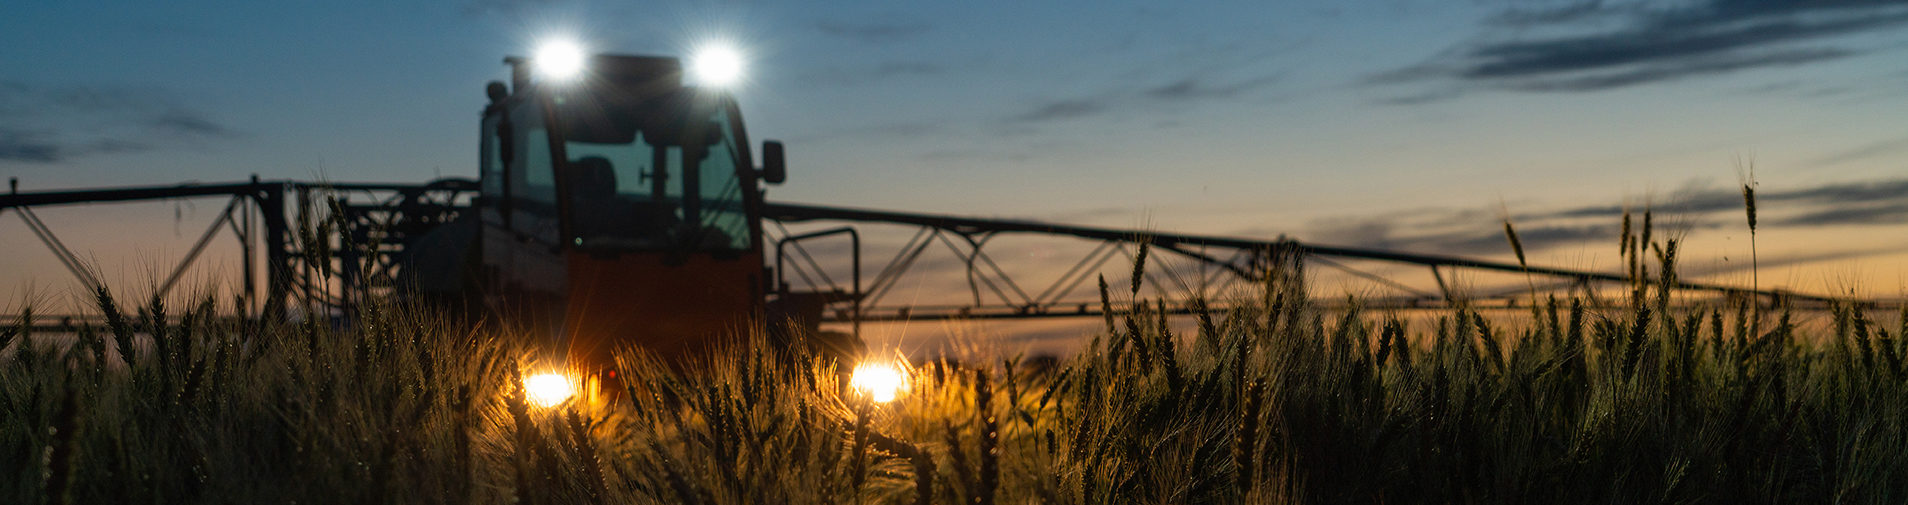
(1247, 439)
(62, 453)
(920, 460)
(1517, 247)
(1747, 171)
(988, 479)
(1139, 264)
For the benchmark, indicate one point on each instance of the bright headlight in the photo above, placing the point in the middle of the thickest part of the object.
(881, 382)
(548, 390)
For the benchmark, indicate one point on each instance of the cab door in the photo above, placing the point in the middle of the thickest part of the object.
(524, 273)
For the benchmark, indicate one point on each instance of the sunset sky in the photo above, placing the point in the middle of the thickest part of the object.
(1414, 125)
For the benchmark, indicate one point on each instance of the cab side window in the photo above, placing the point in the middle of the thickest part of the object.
(532, 183)
(490, 158)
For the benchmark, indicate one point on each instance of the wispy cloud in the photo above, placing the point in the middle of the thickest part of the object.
(1450, 232)
(894, 68)
(878, 72)
(36, 147)
(873, 33)
(26, 146)
(1703, 201)
(1644, 74)
(1182, 90)
(189, 123)
(975, 154)
(1070, 108)
(504, 7)
(46, 124)
(1895, 213)
(1576, 11)
(1477, 230)
(1197, 88)
(1594, 45)
(1864, 151)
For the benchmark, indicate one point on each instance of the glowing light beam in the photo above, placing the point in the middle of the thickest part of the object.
(560, 60)
(548, 390)
(881, 382)
(717, 65)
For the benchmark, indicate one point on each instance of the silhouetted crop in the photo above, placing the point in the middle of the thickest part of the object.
(1275, 401)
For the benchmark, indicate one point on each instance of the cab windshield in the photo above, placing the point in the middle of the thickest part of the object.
(656, 174)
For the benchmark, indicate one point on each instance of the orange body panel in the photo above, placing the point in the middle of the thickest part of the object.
(674, 310)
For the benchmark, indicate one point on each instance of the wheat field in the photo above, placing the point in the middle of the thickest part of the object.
(1647, 401)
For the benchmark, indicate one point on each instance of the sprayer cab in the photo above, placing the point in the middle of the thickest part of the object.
(619, 206)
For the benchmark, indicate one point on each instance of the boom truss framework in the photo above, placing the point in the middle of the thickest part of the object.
(313, 237)
(996, 294)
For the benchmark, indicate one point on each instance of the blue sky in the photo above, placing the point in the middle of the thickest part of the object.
(1405, 124)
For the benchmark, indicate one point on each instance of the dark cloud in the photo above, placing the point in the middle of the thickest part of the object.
(1660, 73)
(1863, 152)
(1082, 215)
(1860, 214)
(1570, 12)
(1374, 232)
(1594, 45)
(51, 124)
(1178, 89)
(976, 154)
(1452, 233)
(1626, 50)
(1696, 202)
(907, 129)
(1186, 89)
(1730, 199)
(189, 122)
(1158, 87)
(505, 7)
(1422, 98)
(893, 130)
(873, 33)
(36, 147)
(896, 68)
(115, 146)
(1533, 238)
(1700, 269)
(23, 146)
(1872, 191)
(1192, 88)
(1063, 109)
(1479, 231)
(858, 75)
(898, 129)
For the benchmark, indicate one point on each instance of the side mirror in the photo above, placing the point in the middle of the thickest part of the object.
(774, 169)
(497, 92)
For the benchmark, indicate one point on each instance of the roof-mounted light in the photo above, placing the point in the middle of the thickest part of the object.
(716, 65)
(559, 60)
